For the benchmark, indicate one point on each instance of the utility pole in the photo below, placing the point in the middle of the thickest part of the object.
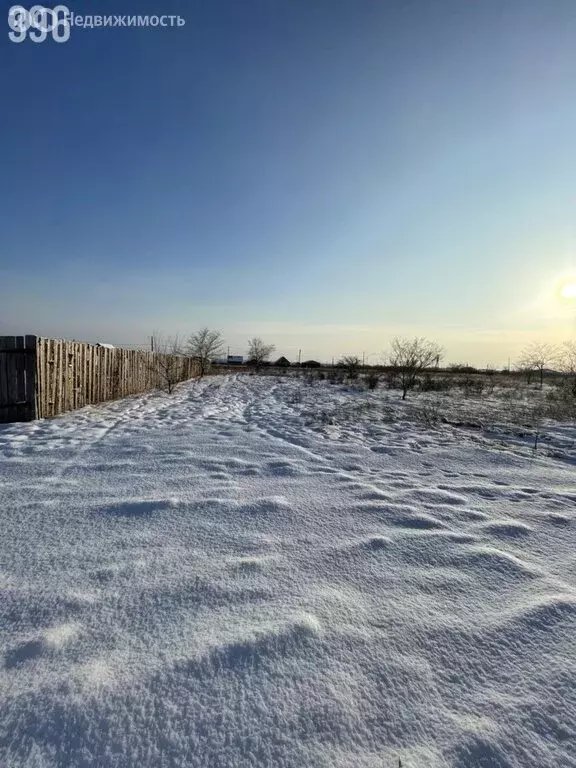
(363, 358)
(151, 343)
(299, 356)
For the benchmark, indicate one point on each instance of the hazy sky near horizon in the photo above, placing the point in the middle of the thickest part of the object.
(323, 173)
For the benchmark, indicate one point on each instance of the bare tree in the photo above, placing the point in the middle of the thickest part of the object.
(258, 352)
(204, 346)
(352, 364)
(412, 356)
(372, 379)
(537, 357)
(567, 362)
(526, 370)
(167, 362)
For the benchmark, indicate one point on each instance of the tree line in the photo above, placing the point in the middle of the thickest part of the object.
(409, 357)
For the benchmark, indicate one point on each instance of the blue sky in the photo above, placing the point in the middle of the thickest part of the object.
(323, 173)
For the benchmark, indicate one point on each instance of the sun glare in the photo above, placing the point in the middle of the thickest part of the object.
(568, 290)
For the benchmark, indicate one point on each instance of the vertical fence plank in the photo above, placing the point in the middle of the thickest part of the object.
(5, 403)
(52, 361)
(97, 353)
(30, 371)
(105, 374)
(106, 366)
(56, 377)
(58, 365)
(39, 389)
(42, 347)
(92, 375)
(45, 394)
(66, 375)
(65, 383)
(74, 362)
(47, 355)
(12, 376)
(69, 376)
(97, 374)
(61, 376)
(84, 372)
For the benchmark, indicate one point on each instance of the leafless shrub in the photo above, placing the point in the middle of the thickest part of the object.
(412, 356)
(511, 394)
(490, 383)
(168, 362)
(388, 414)
(536, 358)
(567, 362)
(352, 364)
(340, 414)
(372, 379)
(427, 413)
(325, 418)
(535, 421)
(561, 401)
(526, 370)
(392, 380)
(430, 383)
(472, 385)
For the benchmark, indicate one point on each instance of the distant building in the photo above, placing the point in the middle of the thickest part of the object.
(282, 362)
(235, 360)
(311, 364)
(258, 363)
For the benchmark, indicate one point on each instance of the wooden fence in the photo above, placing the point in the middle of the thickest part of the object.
(41, 377)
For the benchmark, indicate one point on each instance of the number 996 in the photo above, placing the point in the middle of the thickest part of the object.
(38, 22)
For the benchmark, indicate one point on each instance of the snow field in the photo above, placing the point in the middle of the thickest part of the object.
(227, 577)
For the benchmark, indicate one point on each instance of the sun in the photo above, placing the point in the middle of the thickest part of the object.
(568, 290)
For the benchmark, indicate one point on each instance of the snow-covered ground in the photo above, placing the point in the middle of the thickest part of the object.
(258, 572)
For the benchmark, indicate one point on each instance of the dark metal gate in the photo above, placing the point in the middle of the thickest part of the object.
(17, 378)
